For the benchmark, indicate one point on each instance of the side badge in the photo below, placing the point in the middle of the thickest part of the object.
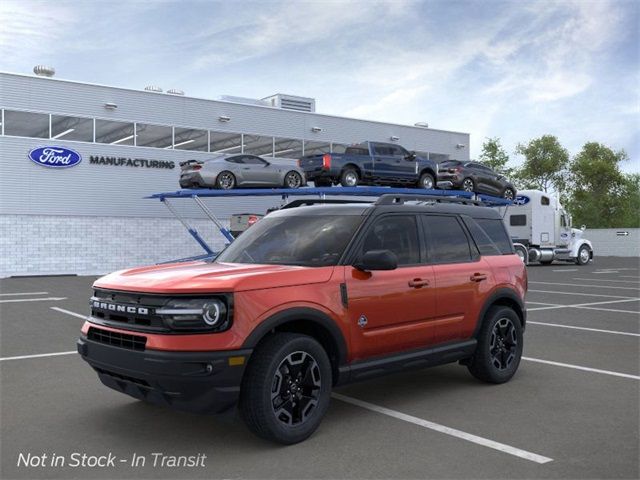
(362, 321)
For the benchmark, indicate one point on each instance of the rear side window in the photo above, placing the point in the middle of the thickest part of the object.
(446, 240)
(397, 233)
(494, 228)
(356, 151)
(485, 245)
(518, 220)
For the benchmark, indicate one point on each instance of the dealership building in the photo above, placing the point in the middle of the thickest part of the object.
(92, 217)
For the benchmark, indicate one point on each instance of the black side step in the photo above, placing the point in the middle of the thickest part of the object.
(428, 357)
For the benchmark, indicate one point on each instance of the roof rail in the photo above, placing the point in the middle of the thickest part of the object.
(304, 202)
(390, 199)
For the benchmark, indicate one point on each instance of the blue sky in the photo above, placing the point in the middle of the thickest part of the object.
(515, 69)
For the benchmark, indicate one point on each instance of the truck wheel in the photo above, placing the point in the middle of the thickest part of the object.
(468, 185)
(286, 388)
(499, 349)
(584, 255)
(521, 251)
(225, 180)
(349, 178)
(426, 181)
(293, 180)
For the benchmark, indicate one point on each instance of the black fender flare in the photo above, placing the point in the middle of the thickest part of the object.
(495, 297)
(300, 314)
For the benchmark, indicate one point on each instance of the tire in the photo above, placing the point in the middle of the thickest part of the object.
(292, 179)
(427, 181)
(487, 364)
(521, 251)
(349, 178)
(468, 185)
(508, 194)
(225, 180)
(273, 358)
(584, 255)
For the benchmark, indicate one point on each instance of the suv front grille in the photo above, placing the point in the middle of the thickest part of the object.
(116, 339)
(128, 310)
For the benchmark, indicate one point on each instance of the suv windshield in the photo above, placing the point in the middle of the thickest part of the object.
(311, 241)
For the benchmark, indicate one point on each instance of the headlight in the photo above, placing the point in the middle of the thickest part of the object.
(206, 314)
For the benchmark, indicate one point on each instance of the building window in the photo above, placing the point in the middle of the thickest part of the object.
(190, 139)
(115, 133)
(26, 124)
(225, 143)
(258, 145)
(316, 148)
(157, 136)
(72, 128)
(287, 148)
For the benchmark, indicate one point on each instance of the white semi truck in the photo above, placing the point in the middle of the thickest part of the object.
(541, 230)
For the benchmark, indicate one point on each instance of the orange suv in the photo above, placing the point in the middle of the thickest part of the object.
(309, 298)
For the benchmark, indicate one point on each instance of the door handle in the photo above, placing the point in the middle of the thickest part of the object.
(246, 168)
(478, 277)
(418, 283)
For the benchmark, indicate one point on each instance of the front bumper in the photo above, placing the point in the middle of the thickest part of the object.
(198, 382)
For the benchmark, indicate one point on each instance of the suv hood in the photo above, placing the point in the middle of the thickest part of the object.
(204, 277)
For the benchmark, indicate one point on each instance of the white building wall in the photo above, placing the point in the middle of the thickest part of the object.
(612, 242)
(53, 245)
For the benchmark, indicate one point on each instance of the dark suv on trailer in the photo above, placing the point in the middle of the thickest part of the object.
(309, 298)
(475, 177)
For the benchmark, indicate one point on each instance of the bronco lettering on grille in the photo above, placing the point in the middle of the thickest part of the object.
(120, 308)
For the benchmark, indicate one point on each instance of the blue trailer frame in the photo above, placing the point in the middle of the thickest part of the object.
(197, 194)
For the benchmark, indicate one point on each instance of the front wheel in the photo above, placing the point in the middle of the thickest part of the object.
(499, 349)
(293, 180)
(584, 255)
(468, 185)
(226, 180)
(286, 388)
(508, 194)
(426, 181)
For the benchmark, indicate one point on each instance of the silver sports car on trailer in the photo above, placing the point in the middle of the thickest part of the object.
(243, 170)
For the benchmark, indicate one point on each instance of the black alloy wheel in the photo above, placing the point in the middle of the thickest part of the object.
(293, 180)
(226, 180)
(295, 390)
(504, 344)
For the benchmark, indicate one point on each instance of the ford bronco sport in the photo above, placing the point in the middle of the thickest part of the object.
(309, 298)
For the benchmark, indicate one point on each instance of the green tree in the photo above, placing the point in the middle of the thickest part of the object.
(545, 164)
(600, 195)
(494, 156)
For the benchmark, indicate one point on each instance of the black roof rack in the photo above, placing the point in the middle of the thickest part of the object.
(319, 201)
(391, 199)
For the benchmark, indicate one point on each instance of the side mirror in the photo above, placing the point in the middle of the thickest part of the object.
(377, 260)
(411, 156)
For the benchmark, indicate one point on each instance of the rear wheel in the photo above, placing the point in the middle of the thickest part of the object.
(226, 180)
(286, 389)
(499, 349)
(426, 181)
(584, 255)
(468, 185)
(293, 179)
(349, 178)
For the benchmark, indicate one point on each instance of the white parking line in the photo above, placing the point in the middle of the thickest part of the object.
(23, 293)
(48, 299)
(628, 276)
(614, 332)
(485, 442)
(566, 270)
(589, 286)
(24, 357)
(73, 314)
(633, 312)
(587, 305)
(579, 367)
(605, 272)
(581, 294)
(605, 280)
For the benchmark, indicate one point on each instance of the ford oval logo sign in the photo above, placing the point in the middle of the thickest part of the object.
(521, 200)
(55, 157)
